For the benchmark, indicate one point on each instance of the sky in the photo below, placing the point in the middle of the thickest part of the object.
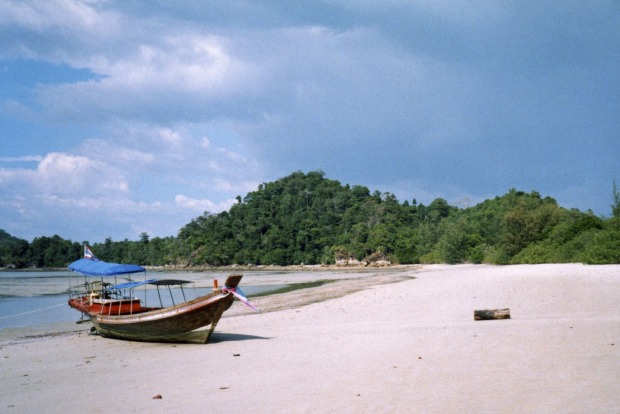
(119, 117)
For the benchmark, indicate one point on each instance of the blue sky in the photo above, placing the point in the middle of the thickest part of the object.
(119, 117)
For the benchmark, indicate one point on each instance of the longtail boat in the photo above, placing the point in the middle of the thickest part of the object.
(116, 311)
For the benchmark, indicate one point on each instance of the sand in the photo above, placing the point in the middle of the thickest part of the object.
(400, 341)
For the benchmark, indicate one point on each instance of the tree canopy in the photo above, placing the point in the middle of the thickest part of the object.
(305, 218)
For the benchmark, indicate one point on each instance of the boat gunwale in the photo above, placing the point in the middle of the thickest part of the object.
(161, 313)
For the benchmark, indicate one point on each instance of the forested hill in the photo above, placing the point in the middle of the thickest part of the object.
(306, 218)
(309, 219)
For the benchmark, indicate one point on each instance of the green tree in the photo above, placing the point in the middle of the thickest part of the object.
(52, 251)
(604, 247)
(453, 244)
(529, 221)
(615, 207)
(14, 252)
(307, 218)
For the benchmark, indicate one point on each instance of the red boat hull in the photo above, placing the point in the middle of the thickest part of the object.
(106, 306)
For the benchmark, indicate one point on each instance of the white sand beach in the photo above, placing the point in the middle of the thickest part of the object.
(382, 342)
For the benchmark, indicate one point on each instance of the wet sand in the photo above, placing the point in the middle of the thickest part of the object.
(383, 341)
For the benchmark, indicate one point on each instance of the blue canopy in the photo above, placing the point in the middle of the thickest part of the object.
(93, 267)
(131, 285)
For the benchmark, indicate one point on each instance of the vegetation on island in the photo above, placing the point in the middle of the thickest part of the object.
(305, 218)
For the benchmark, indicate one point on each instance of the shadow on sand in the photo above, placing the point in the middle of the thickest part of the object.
(231, 337)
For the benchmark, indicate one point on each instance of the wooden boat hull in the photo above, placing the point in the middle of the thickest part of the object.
(192, 322)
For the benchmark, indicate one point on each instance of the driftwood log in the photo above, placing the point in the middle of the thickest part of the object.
(486, 314)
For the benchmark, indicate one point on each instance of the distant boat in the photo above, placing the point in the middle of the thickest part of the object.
(116, 312)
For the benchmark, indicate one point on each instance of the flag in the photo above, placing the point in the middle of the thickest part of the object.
(238, 293)
(88, 254)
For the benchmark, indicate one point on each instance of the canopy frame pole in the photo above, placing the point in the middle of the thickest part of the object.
(145, 295)
(161, 304)
(131, 301)
(171, 296)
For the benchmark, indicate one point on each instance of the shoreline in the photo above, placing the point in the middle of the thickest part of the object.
(385, 342)
(338, 286)
(247, 268)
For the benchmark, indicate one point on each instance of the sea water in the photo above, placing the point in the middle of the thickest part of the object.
(34, 298)
(38, 299)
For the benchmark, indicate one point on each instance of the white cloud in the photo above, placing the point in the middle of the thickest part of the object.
(58, 30)
(171, 137)
(202, 205)
(174, 156)
(188, 109)
(186, 62)
(26, 158)
(60, 173)
(43, 15)
(18, 110)
(227, 186)
(177, 77)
